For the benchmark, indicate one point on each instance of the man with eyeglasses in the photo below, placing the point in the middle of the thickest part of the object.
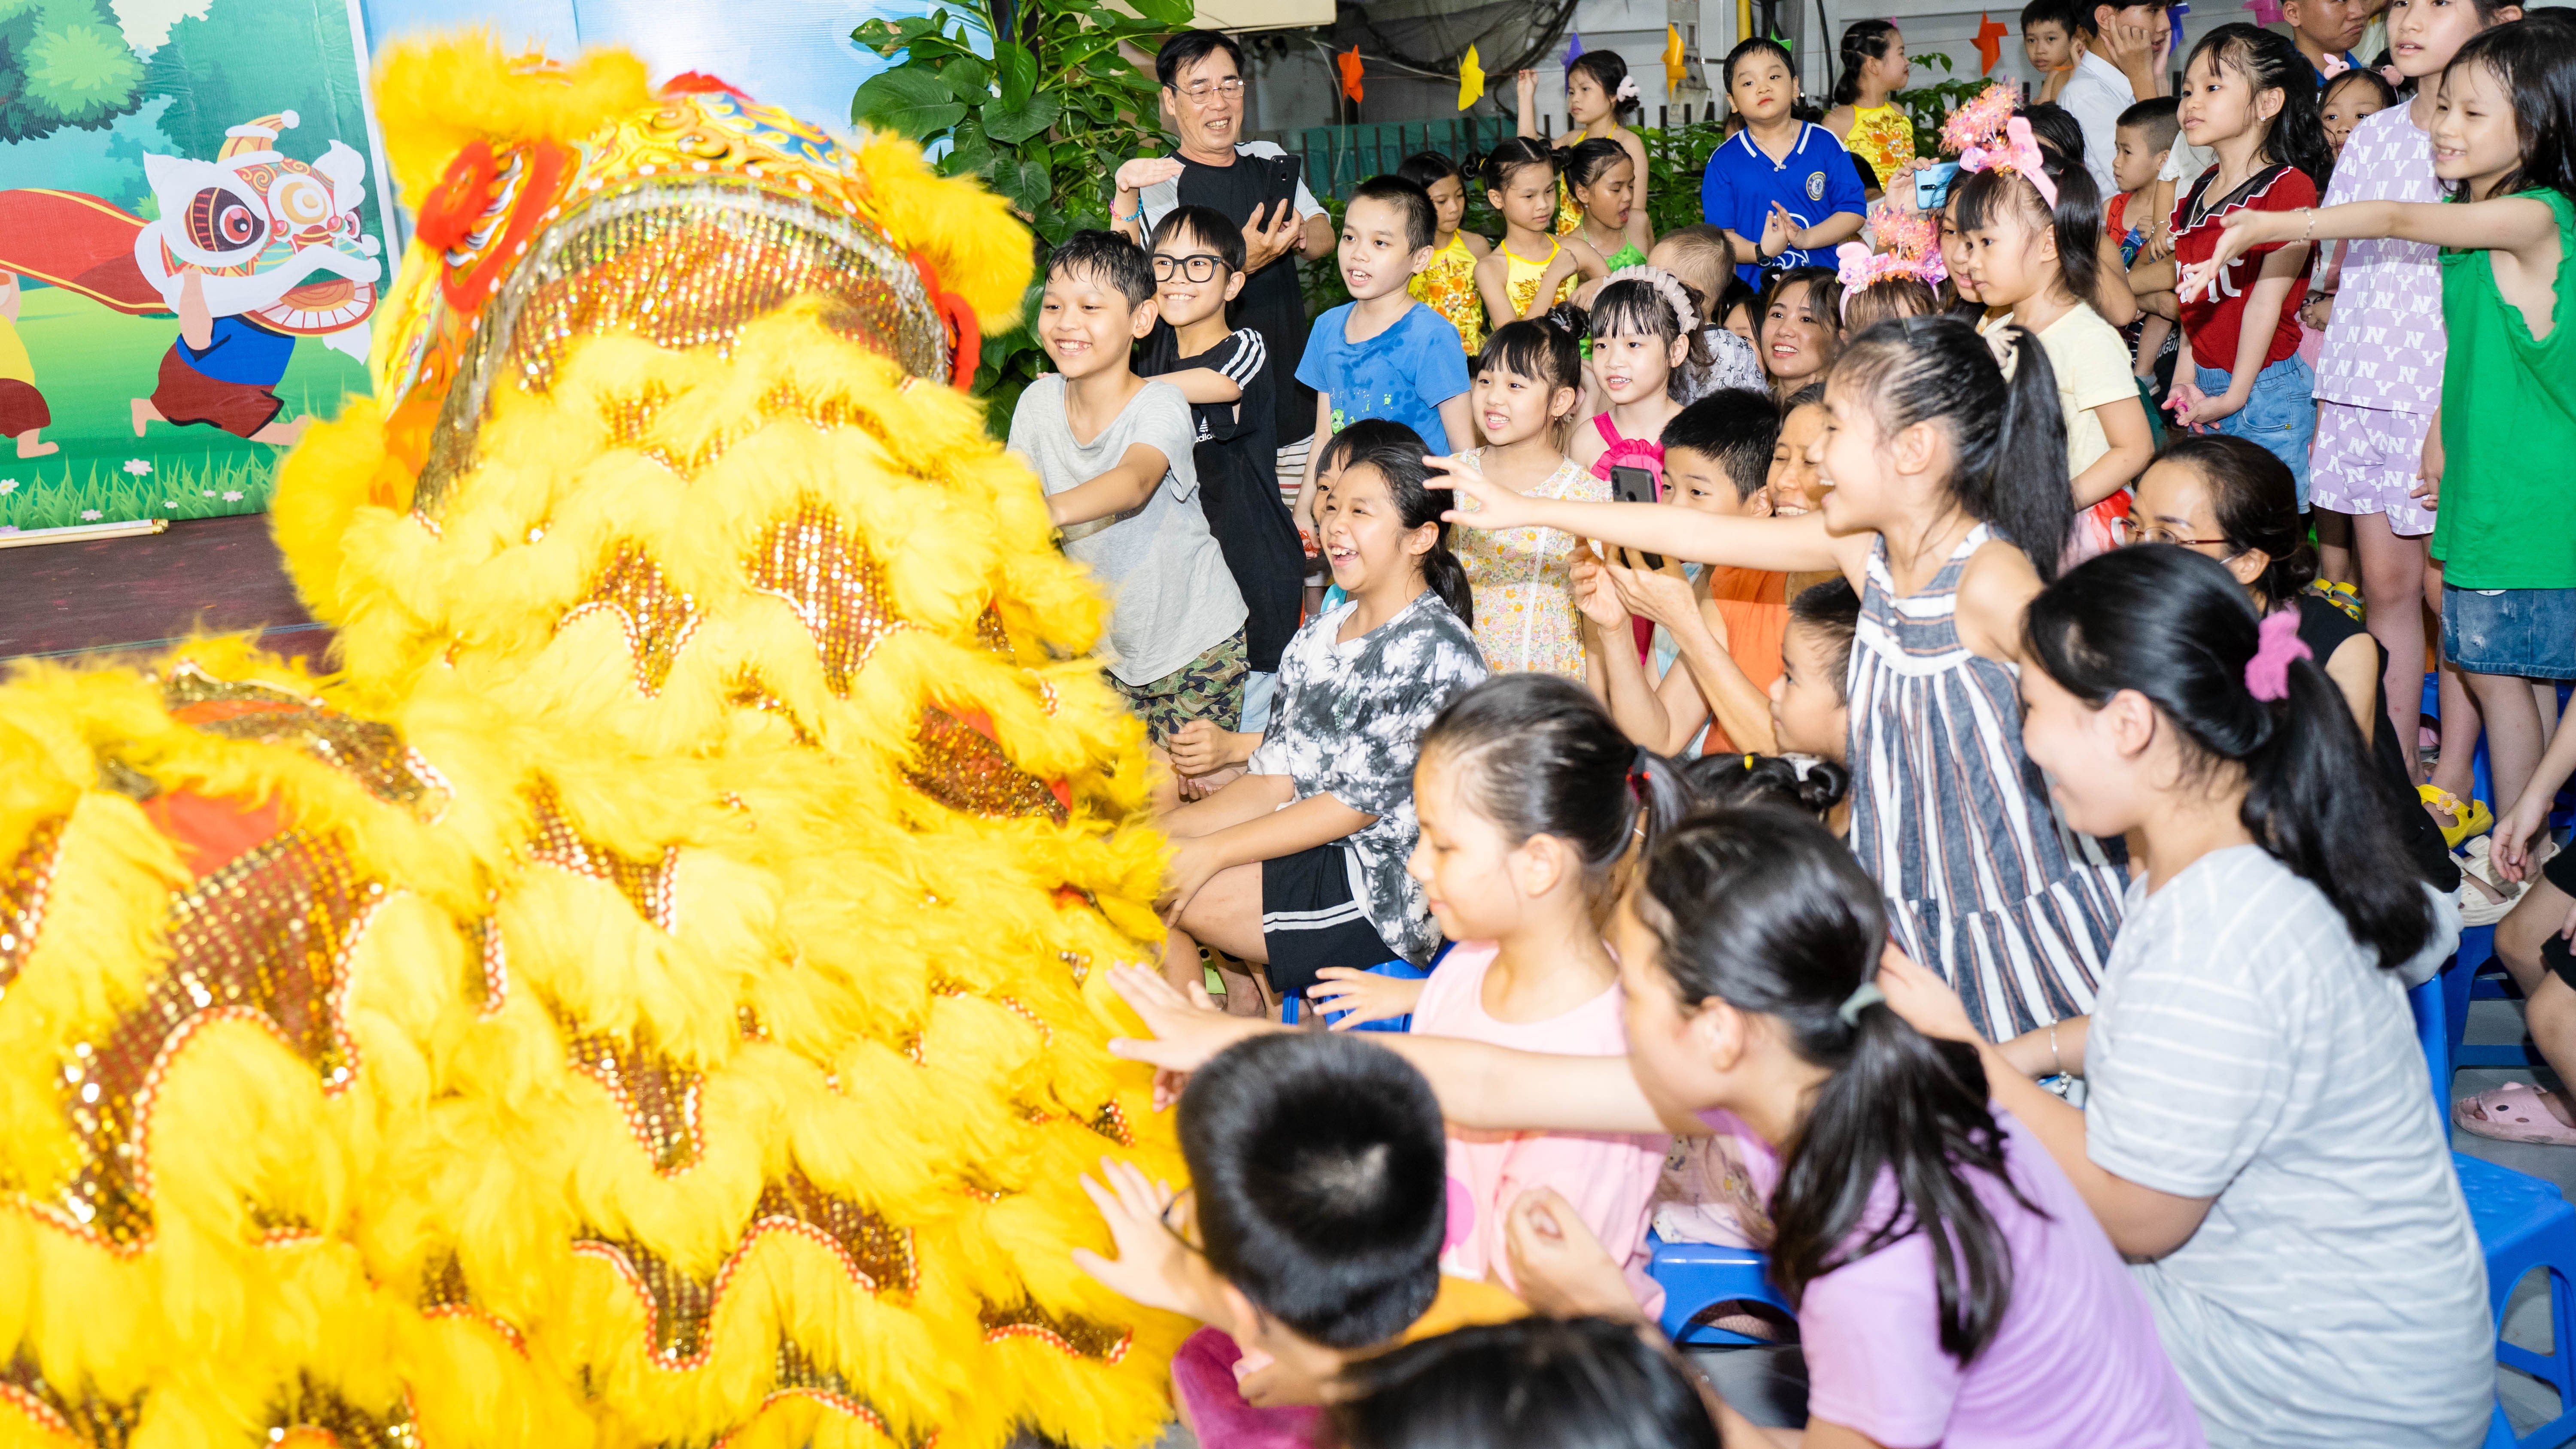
(1202, 76)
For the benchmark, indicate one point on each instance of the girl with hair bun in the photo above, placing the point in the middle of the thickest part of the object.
(1949, 509)
(1865, 118)
(1598, 89)
(2255, 1136)
(1533, 269)
(1602, 180)
(1299, 863)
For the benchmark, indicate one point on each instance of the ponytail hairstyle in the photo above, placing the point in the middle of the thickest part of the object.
(2296, 134)
(1646, 301)
(2176, 627)
(1832, 608)
(1510, 156)
(1987, 197)
(1764, 910)
(1428, 168)
(1544, 350)
(1609, 70)
(1396, 452)
(1587, 161)
(1863, 42)
(2008, 435)
(2535, 60)
(2256, 503)
(1538, 755)
(1719, 782)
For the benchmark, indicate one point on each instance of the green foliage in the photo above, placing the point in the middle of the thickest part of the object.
(1675, 157)
(1929, 106)
(1045, 115)
(64, 63)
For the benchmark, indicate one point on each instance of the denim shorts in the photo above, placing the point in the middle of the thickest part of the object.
(2280, 413)
(2526, 632)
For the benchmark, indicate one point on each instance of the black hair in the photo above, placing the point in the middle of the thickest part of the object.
(2362, 75)
(1823, 306)
(1565, 1383)
(1736, 428)
(1609, 70)
(1511, 155)
(1718, 782)
(1765, 910)
(1540, 348)
(1424, 168)
(1421, 218)
(1755, 46)
(1109, 257)
(2008, 436)
(2076, 219)
(1863, 42)
(1812, 395)
(2060, 13)
(2088, 24)
(1189, 48)
(1587, 161)
(1539, 755)
(1737, 293)
(1396, 452)
(1635, 306)
(1205, 223)
(1321, 1168)
(2536, 61)
(2176, 627)
(2055, 129)
(2269, 62)
(2159, 116)
(1889, 297)
(1833, 609)
(2256, 504)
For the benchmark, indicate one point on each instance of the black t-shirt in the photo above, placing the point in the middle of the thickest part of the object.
(1237, 454)
(1270, 302)
(2324, 629)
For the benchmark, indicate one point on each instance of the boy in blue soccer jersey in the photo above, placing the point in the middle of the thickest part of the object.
(1785, 191)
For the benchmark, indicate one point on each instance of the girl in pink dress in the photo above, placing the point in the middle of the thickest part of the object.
(1645, 328)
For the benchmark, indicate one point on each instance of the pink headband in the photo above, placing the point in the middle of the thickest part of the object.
(1911, 250)
(2267, 674)
(2018, 154)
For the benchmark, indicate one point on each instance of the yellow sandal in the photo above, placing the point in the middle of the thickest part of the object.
(2472, 817)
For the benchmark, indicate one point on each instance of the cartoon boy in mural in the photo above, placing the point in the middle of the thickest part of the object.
(251, 250)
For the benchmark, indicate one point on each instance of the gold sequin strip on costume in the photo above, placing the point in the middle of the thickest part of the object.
(828, 577)
(88, 1419)
(369, 752)
(961, 769)
(266, 939)
(656, 617)
(24, 885)
(1071, 1334)
(312, 1407)
(657, 1095)
(649, 886)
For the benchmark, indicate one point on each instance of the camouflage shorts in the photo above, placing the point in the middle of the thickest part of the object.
(1209, 687)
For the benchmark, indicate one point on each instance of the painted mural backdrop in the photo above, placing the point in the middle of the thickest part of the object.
(192, 243)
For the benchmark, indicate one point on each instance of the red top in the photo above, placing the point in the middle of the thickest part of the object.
(2211, 324)
(1619, 452)
(2113, 211)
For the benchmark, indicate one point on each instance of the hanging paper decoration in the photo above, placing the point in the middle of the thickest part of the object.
(1471, 80)
(1672, 58)
(1990, 42)
(1573, 47)
(1349, 64)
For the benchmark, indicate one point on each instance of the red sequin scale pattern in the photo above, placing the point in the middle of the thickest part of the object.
(264, 939)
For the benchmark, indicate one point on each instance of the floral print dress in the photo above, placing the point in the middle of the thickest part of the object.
(1523, 579)
(1448, 287)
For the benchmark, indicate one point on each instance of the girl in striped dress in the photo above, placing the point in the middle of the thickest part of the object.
(1949, 510)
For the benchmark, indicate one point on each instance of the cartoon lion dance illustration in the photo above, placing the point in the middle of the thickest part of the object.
(656, 995)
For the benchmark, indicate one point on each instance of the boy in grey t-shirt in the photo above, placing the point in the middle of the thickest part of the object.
(1126, 498)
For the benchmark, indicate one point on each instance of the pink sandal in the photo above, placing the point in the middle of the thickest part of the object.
(2514, 1112)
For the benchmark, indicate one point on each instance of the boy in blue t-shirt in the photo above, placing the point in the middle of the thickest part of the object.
(1785, 191)
(1383, 354)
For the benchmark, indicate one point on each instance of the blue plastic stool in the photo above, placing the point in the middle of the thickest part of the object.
(1293, 1010)
(1697, 1276)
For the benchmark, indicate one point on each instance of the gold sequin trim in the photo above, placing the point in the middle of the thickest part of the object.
(657, 1095)
(961, 769)
(88, 1419)
(650, 887)
(657, 618)
(874, 1251)
(746, 689)
(1070, 1334)
(490, 978)
(368, 751)
(444, 1293)
(834, 585)
(265, 939)
(312, 1407)
(24, 886)
(990, 633)
(1110, 1122)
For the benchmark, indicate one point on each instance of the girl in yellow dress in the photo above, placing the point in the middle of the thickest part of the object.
(1870, 124)
(1529, 382)
(1597, 88)
(1533, 269)
(1448, 285)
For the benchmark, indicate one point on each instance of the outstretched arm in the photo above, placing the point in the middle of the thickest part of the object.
(2517, 224)
(1139, 472)
(1796, 545)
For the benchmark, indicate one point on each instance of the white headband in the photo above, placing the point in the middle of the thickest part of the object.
(1667, 286)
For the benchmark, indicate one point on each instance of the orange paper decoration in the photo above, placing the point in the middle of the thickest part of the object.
(1349, 62)
(1990, 41)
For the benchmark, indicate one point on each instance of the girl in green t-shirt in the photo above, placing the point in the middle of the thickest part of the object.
(2504, 137)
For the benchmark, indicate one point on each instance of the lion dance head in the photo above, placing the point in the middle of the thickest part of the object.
(655, 994)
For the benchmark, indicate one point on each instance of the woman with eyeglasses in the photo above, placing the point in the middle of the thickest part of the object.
(2233, 501)
(1202, 77)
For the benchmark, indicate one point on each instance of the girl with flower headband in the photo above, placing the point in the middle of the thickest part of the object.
(1597, 88)
(1645, 331)
(2256, 1137)
(1897, 280)
(2032, 227)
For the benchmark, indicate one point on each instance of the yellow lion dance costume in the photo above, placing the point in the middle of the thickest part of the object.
(656, 996)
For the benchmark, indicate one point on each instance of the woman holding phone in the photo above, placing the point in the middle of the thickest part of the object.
(1247, 182)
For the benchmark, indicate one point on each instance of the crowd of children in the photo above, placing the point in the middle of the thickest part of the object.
(1919, 703)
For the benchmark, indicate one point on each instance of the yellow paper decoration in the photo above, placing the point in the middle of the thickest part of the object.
(1471, 80)
(1672, 59)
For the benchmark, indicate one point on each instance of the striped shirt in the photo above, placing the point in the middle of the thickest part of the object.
(2246, 1048)
(1983, 884)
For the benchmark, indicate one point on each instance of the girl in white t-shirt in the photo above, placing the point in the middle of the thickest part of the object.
(2028, 226)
